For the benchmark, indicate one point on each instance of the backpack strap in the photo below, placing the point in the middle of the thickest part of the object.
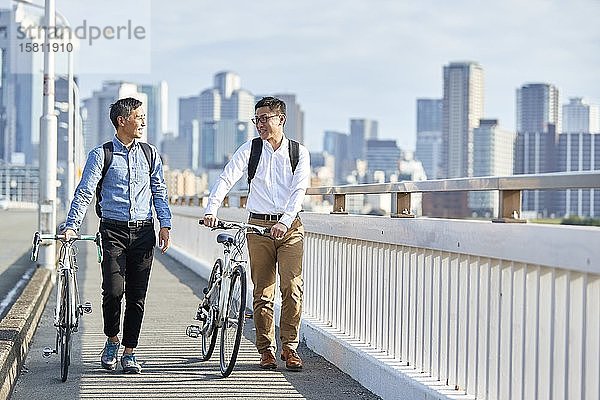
(294, 150)
(255, 153)
(149, 156)
(108, 155)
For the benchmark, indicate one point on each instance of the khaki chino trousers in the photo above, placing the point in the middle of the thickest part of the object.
(267, 258)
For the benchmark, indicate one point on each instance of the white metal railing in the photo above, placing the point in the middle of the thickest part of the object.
(455, 307)
(494, 311)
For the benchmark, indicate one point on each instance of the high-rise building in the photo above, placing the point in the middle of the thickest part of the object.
(21, 83)
(382, 155)
(361, 130)
(183, 151)
(430, 114)
(429, 136)
(336, 145)
(579, 150)
(227, 82)
(225, 120)
(580, 117)
(538, 123)
(462, 110)
(493, 150)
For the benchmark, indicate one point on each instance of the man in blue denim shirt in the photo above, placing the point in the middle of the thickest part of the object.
(129, 190)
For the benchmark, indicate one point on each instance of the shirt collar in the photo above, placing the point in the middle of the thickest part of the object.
(117, 144)
(284, 143)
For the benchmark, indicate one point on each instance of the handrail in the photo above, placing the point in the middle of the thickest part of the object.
(510, 191)
(557, 180)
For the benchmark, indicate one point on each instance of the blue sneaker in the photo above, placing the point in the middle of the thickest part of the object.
(130, 364)
(109, 355)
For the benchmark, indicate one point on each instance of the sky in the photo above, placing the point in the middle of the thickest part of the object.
(347, 59)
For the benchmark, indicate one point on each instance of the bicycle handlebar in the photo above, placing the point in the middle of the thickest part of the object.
(261, 230)
(38, 238)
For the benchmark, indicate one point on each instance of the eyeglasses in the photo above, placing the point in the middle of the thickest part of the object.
(263, 118)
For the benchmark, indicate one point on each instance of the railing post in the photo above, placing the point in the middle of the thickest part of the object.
(339, 204)
(402, 205)
(510, 207)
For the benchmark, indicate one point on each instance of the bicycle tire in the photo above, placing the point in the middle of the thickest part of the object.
(209, 333)
(64, 328)
(233, 325)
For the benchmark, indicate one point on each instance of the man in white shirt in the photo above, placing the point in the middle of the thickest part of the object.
(274, 200)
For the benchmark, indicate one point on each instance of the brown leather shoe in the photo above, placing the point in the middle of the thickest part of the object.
(267, 360)
(292, 359)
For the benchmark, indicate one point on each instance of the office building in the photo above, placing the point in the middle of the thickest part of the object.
(336, 144)
(538, 123)
(462, 110)
(579, 150)
(429, 136)
(361, 130)
(493, 150)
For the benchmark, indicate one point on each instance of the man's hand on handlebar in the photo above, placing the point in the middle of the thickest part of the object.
(70, 234)
(211, 220)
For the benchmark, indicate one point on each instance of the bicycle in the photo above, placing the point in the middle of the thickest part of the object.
(68, 307)
(224, 303)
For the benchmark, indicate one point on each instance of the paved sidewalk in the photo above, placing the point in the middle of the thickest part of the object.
(170, 360)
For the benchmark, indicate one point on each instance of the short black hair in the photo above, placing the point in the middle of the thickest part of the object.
(124, 108)
(274, 104)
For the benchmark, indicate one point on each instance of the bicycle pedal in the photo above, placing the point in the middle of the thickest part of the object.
(193, 331)
(47, 352)
(87, 307)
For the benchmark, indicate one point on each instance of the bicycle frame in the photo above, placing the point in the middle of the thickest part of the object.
(215, 314)
(68, 308)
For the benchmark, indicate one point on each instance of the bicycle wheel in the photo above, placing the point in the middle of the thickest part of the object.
(64, 328)
(209, 327)
(233, 325)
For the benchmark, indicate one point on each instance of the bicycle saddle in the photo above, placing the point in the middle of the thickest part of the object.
(225, 238)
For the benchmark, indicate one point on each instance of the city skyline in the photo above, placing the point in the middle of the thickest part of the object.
(362, 60)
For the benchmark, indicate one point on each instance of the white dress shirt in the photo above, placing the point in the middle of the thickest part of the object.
(274, 189)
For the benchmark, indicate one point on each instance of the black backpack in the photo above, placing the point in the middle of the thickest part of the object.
(256, 151)
(108, 156)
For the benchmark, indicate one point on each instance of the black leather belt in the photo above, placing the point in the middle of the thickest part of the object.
(128, 224)
(266, 217)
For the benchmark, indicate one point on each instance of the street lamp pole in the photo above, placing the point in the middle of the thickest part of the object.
(48, 143)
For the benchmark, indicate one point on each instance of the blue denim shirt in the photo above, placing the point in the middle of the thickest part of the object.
(128, 190)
